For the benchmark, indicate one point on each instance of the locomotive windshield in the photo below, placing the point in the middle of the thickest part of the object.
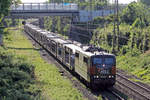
(108, 61)
(97, 61)
(103, 60)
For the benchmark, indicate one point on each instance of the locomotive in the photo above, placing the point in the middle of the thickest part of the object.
(94, 65)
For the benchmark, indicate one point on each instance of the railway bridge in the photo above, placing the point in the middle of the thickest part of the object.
(39, 10)
(44, 9)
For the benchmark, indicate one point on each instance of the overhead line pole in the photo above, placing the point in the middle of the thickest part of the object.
(118, 32)
(115, 40)
(89, 16)
(114, 30)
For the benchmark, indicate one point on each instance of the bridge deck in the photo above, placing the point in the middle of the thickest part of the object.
(44, 8)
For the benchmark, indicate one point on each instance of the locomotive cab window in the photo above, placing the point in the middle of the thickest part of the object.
(109, 61)
(85, 60)
(97, 61)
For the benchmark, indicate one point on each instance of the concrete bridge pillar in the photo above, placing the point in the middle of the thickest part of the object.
(75, 18)
(41, 22)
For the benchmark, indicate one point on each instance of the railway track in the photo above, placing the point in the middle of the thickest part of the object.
(134, 90)
(108, 94)
(112, 91)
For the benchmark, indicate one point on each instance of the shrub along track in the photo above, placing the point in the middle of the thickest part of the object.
(132, 89)
(77, 83)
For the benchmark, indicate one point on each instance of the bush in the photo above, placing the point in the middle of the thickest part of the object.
(16, 78)
(124, 50)
(134, 52)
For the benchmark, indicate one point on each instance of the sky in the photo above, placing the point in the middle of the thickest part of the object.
(36, 1)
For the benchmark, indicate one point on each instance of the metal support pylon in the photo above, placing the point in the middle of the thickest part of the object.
(116, 32)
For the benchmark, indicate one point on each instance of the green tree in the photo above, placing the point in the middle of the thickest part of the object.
(133, 11)
(139, 22)
(5, 5)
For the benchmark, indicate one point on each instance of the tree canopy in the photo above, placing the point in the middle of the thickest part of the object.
(135, 12)
(5, 5)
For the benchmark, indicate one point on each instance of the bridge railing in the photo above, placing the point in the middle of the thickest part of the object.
(44, 6)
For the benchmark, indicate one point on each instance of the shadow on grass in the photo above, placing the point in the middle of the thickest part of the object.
(37, 49)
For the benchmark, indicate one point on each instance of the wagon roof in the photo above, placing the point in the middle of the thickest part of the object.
(75, 46)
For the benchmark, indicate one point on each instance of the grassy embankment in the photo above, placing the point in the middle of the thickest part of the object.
(138, 65)
(49, 80)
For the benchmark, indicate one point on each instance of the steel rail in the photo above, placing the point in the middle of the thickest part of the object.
(115, 94)
(133, 83)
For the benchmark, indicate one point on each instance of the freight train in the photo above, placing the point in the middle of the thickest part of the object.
(93, 64)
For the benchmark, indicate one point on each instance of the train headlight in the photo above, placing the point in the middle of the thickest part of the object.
(109, 76)
(96, 76)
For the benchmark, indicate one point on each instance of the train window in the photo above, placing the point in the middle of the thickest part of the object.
(59, 51)
(97, 61)
(66, 57)
(53, 48)
(23, 22)
(41, 38)
(109, 61)
(85, 59)
(72, 60)
(77, 55)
